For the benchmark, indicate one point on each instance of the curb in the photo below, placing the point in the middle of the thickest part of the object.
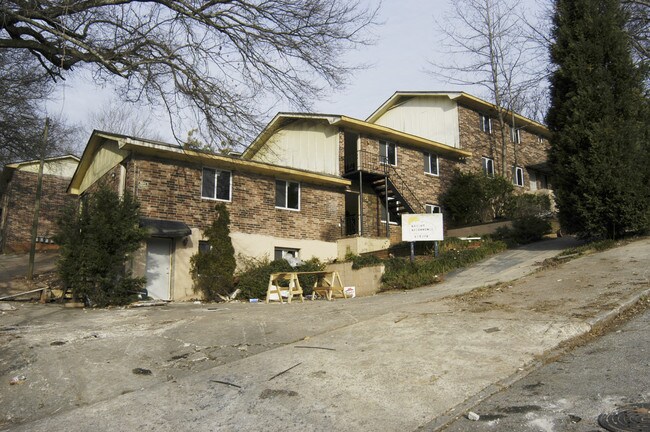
(600, 320)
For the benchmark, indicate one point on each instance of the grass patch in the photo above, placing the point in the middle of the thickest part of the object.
(426, 270)
(594, 246)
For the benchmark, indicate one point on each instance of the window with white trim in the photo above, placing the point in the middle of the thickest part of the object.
(216, 184)
(432, 208)
(488, 166)
(486, 123)
(391, 215)
(518, 176)
(515, 135)
(431, 164)
(284, 253)
(387, 152)
(287, 195)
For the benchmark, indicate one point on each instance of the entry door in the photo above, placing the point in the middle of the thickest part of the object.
(158, 267)
(351, 213)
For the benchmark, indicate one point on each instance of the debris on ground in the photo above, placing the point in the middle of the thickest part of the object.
(18, 380)
(148, 303)
(225, 383)
(142, 371)
(6, 307)
(473, 416)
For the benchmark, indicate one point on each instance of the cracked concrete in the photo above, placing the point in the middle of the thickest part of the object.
(396, 361)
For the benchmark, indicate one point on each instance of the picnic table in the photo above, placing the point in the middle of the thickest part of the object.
(327, 284)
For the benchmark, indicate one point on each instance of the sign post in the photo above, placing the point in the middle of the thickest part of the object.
(422, 227)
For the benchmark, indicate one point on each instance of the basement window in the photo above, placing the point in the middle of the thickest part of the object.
(432, 208)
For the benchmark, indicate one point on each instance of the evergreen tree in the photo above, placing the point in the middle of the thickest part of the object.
(95, 245)
(598, 118)
(212, 270)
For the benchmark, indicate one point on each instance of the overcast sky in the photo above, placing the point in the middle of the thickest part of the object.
(406, 41)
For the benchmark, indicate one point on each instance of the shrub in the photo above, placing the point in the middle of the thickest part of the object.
(253, 278)
(360, 261)
(402, 274)
(212, 270)
(524, 230)
(95, 244)
(476, 198)
(529, 205)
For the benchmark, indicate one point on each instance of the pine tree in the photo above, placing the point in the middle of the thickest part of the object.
(95, 245)
(212, 270)
(598, 121)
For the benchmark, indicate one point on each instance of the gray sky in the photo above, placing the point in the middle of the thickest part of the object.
(406, 42)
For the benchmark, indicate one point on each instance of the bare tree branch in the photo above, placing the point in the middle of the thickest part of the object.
(223, 59)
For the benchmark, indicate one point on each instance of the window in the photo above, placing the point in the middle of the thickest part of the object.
(431, 164)
(387, 152)
(488, 166)
(518, 176)
(284, 253)
(515, 135)
(216, 184)
(432, 208)
(287, 195)
(486, 123)
(204, 246)
(392, 216)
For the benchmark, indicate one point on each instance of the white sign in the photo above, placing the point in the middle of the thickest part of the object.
(422, 227)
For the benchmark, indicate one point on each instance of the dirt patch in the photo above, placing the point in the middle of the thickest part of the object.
(639, 307)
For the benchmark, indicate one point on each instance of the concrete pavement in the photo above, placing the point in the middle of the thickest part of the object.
(390, 362)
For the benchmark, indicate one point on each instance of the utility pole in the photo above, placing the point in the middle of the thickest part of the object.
(37, 204)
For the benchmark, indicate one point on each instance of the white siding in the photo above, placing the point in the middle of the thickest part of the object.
(304, 145)
(60, 167)
(431, 117)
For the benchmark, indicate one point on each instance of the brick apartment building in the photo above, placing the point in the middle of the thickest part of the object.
(18, 183)
(310, 185)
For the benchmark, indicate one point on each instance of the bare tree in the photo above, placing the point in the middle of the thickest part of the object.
(23, 90)
(639, 27)
(488, 46)
(223, 60)
(124, 118)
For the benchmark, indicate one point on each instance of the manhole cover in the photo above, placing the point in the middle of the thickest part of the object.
(632, 418)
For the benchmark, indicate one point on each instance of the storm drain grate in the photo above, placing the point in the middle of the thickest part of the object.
(632, 418)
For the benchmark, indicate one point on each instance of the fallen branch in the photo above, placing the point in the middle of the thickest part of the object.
(284, 371)
(315, 347)
(226, 383)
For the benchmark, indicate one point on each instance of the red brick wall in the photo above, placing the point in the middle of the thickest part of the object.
(529, 152)
(171, 190)
(20, 199)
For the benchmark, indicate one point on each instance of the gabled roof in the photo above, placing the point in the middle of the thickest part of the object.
(283, 119)
(177, 152)
(7, 173)
(462, 98)
(17, 165)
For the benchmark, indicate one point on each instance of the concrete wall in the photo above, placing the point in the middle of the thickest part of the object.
(477, 230)
(359, 245)
(366, 280)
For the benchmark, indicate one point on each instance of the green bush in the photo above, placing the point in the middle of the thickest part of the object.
(402, 274)
(360, 261)
(212, 270)
(529, 205)
(95, 244)
(253, 277)
(476, 198)
(524, 230)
